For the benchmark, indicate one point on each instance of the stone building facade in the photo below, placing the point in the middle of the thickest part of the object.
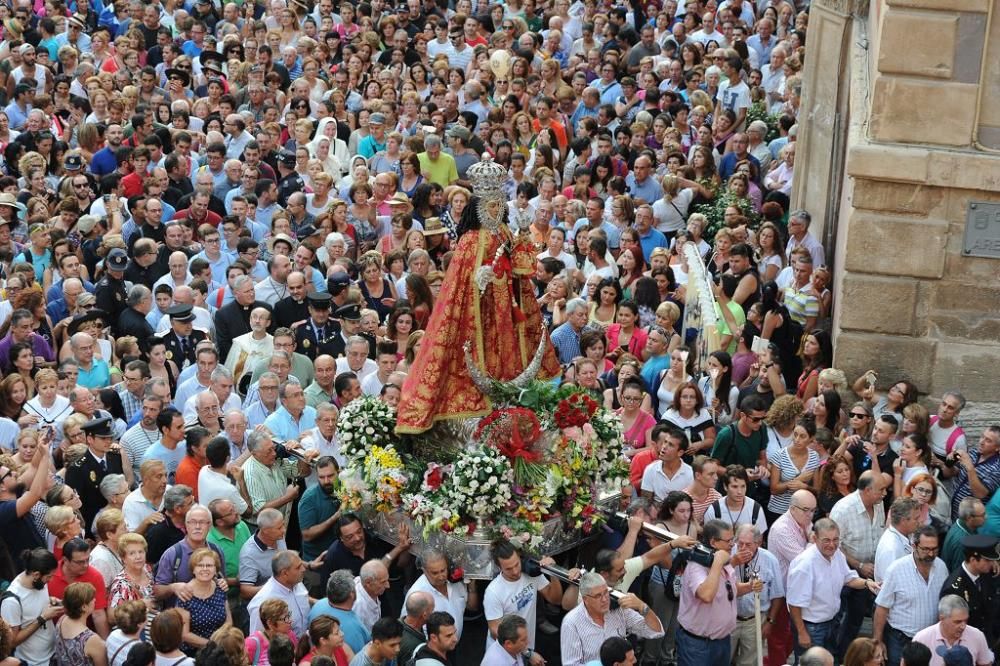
(900, 127)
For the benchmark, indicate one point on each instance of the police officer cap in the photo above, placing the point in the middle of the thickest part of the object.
(181, 313)
(336, 283)
(287, 158)
(349, 312)
(117, 259)
(957, 655)
(981, 545)
(99, 427)
(320, 300)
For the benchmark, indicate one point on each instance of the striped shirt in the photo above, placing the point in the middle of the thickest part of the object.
(265, 484)
(581, 638)
(912, 601)
(780, 502)
(786, 540)
(801, 304)
(699, 507)
(859, 534)
(988, 472)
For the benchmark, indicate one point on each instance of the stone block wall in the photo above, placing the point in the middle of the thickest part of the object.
(923, 115)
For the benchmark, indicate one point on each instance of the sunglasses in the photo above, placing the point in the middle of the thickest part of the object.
(856, 415)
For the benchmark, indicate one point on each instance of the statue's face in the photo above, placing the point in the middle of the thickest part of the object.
(494, 208)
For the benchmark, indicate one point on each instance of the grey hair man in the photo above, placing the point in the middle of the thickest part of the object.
(566, 336)
(287, 572)
(368, 587)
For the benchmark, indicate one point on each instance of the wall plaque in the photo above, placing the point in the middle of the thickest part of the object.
(982, 230)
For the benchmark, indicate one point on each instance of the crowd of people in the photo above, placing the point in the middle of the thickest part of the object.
(221, 222)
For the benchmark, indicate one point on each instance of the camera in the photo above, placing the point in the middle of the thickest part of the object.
(702, 555)
(950, 461)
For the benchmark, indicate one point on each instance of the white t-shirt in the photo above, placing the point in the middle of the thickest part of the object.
(671, 215)
(115, 640)
(38, 648)
(519, 597)
(212, 485)
(734, 97)
(938, 437)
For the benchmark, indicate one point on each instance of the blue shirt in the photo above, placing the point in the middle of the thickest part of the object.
(314, 508)
(283, 426)
(652, 240)
(98, 376)
(609, 92)
(728, 165)
(652, 368)
(649, 189)
(582, 112)
(355, 633)
(613, 233)
(566, 340)
(16, 116)
(169, 458)
(103, 162)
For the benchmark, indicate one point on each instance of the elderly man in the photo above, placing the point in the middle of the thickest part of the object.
(437, 166)
(177, 501)
(861, 518)
(977, 473)
(287, 571)
(69, 290)
(753, 562)
(953, 630)
(566, 337)
(641, 182)
(258, 552)
(265, 392)
(368, 587)
(338, 604)
(909, 595)
(132, 390)
(971, 516)
(224, 399)
(356, 358)
(294, 416)
(270, 482)
(173, 573)
(94, 372)
(233, 319)
(798, 235)
(448, 595)
(588, 625)
(815, 580)
(321, 390)
(787, 537)
(904, 519)
(707, 611)
(143, 507)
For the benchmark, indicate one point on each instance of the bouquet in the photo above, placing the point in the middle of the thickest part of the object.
(364, 424)
(480, 485)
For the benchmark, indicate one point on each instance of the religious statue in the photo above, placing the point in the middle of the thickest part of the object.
(486, 310)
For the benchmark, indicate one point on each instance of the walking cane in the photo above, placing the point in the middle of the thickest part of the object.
(756, 621)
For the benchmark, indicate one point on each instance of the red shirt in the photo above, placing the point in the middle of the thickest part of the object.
(58, 584)
(640, 462)
(210, 218)
(132, 184)
(187, 473)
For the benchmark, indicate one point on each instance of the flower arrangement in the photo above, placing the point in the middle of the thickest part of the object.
(366, 423)
(542, 453)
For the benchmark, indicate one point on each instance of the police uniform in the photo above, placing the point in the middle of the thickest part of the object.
(175, 348)
(109, 291)
(86, 474)
(350, 312)
(312, 339)
(291, 183)
(982, 593)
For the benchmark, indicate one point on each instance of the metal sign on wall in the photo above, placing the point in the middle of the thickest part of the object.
(982, 230)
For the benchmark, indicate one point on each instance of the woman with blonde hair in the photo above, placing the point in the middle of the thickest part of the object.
(780, 422)
(413, 343)
(671, 211)
(109, 526)
(135, 582)
(62, 524)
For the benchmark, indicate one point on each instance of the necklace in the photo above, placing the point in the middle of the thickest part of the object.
(738, 516)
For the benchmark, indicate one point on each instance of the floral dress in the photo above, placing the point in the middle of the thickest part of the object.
(124, 589)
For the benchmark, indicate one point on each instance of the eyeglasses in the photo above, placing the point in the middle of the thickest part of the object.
(2, 478)
(923, 491)
(729, 589)
(756, 419)
(811, 510)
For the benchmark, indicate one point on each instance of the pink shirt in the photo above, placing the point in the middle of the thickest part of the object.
(786, 539)
(972, 638)
(714, 620)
